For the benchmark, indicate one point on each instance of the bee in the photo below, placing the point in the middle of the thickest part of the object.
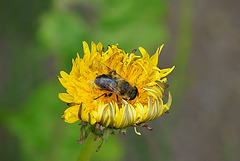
(115, 84)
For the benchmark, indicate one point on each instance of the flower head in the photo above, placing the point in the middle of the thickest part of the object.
(107, 105)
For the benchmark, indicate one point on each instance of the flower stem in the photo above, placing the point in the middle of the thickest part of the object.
(88, 148)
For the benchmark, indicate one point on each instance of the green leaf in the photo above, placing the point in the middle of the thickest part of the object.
(62, 32)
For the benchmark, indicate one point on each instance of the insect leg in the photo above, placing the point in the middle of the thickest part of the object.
(105, 95)
(117, 98)
(109, 95)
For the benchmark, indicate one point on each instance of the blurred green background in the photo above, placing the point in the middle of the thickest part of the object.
(38, 39)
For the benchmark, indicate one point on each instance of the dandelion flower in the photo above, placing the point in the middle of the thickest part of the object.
(104, 112)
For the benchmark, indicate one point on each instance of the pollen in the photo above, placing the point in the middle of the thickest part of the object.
(109, 107)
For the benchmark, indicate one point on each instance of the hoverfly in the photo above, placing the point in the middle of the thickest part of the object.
(114, 84)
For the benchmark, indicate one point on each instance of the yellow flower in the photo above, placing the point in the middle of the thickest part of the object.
(97, 107)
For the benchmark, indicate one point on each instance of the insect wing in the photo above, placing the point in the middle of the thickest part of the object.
(101, 67)
(103, 84)
(92, 84)
(104, 69)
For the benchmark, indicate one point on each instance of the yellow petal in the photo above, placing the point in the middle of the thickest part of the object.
(86, 51)
(99, 47)
(64, 75)
(93, 47)
(154, 58)
(169, 102)
(166, 71)
(63, 82)
(65, 97)
(144, 53)
(71, 114)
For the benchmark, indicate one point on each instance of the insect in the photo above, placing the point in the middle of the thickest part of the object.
(115, 84)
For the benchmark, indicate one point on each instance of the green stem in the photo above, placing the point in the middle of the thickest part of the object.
(88, 148)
